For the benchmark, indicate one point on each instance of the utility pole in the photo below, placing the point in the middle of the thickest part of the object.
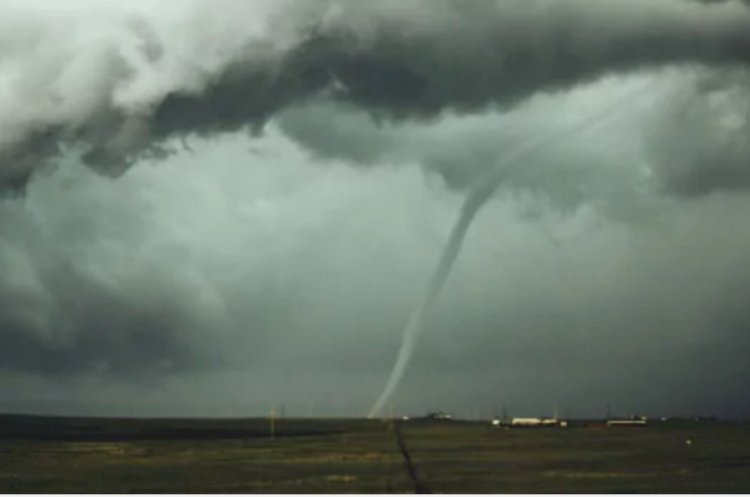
(271, 428)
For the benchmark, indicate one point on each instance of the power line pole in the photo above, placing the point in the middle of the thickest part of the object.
(271, 428)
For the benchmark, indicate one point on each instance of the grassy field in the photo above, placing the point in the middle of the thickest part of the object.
(40, 454)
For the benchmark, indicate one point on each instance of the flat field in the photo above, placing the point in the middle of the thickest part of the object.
(50, 455)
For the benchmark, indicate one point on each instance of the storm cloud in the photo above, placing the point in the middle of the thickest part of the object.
(118, 84)
(279, 179)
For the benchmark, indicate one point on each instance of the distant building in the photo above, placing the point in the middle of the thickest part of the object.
(536, 422)
(439, 415)
(526, 422)
(633, 421)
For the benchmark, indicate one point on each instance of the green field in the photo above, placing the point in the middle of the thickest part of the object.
(40, 455)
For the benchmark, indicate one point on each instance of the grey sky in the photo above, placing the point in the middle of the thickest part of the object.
(310, 161)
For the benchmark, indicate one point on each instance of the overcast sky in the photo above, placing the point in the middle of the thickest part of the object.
(209, 208)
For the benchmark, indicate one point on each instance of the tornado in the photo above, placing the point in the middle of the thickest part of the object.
(475, 200)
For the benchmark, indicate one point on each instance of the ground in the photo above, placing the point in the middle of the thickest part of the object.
(43, 455)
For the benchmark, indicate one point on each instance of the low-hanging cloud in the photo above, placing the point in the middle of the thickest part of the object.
(118, 86)
(700, 143)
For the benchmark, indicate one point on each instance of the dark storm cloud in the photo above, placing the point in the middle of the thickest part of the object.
(108, 291)
(213, 280)
(395, 60)
(121, 291)
(30, 154)
(603, 165)
(59, 319)
(701, 142)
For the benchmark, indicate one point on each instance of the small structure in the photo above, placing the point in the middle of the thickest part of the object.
(633, 421)
(540, 422)
(530, 423)
(439, 416)
(526, 422)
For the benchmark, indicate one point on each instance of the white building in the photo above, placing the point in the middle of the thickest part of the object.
(535, 422)
(526, 422)
(627, 422)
